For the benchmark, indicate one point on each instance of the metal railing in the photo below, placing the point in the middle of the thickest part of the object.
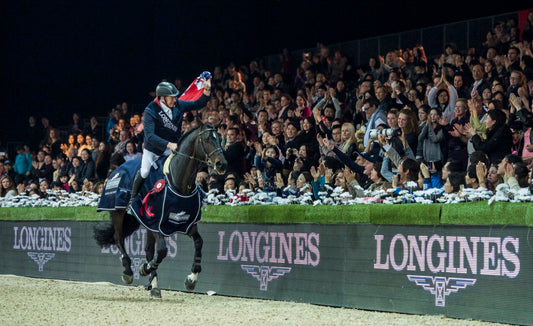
(464, 34)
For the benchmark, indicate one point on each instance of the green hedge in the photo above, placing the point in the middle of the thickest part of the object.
(476, 213)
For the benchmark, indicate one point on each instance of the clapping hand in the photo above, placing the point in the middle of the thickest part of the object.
(349, 175)
(258, 149)
(424, 170)
(315, 173)
(470, 129)
(481, 171)
(509, 170)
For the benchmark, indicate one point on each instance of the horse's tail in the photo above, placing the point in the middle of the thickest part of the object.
(104, 233)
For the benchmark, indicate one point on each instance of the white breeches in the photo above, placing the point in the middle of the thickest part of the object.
(148, 159)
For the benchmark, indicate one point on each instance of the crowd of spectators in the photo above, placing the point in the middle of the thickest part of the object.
(402, 121)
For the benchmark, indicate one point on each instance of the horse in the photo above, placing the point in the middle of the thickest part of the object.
(196, 148)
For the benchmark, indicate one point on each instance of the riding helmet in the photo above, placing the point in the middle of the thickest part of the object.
(166, 89)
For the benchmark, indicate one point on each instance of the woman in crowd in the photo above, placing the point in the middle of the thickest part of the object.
(75, 171)
(392, 118)
(408, 124)
(102, 162)
(519, 109)
(444, 96)
(303, 183)
(71, 143)
(431, 138)
(82, 144)
(307, 134)
(131, 152)
(267, 162)
(42, 166)
(423, 112)
(306, 157)
(54, 142)
(88, 168)
(499, 137)
(44, 185)
(7, 187)
(379, 181)
(349, 139)
(74, 186)
(454, 182)
(302, 109)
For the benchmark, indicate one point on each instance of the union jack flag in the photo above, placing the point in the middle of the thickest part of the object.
(196, 88)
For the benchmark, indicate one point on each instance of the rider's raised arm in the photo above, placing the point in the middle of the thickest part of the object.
(186, 106)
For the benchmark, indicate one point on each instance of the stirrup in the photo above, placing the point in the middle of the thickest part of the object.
(129, 210)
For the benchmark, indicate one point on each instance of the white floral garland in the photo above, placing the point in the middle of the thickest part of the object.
(332, 196)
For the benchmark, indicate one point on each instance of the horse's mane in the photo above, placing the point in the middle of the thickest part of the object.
(185, 135)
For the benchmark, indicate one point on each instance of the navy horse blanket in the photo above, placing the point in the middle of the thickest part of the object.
(158, 207)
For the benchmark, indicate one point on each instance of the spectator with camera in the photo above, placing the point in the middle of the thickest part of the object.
(374, 117)
(267, 162)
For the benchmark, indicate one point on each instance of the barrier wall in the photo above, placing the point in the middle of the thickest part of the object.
(483, 273)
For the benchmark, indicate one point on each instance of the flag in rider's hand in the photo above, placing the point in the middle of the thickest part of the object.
(196, 88)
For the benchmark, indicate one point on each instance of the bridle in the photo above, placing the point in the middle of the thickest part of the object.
(207, 160)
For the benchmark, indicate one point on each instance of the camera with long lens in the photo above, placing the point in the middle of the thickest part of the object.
(387, 132)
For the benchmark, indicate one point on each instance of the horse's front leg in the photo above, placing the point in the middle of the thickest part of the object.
(117, 217)
(192, 279)
(156, 250)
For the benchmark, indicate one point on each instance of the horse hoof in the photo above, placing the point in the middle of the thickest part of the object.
(127, 279)
(142, 269)
(155, 293)
(190, 284)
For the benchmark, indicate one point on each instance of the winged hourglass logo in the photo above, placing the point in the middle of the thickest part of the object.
(265, 274)
(440, 286)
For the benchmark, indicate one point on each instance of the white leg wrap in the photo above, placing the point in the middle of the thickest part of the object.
(154, 283)
(193, 277)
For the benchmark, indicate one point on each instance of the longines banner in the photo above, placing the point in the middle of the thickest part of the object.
(483, 273)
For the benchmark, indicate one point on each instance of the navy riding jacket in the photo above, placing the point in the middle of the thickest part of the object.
(159, 129)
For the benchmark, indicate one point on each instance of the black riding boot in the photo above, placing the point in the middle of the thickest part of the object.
(137, 184)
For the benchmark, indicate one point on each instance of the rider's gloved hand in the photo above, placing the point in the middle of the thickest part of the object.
(172, 146)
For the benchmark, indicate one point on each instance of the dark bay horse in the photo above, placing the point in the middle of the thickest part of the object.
(198, 147)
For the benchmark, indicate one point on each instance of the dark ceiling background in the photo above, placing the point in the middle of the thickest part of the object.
(61, 57)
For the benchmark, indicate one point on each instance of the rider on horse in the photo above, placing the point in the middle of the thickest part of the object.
(162, 127)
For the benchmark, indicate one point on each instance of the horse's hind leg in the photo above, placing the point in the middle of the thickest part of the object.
(192, 279)
(157, 257)
(118, 220)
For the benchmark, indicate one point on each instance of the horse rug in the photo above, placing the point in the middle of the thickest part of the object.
(158, 206)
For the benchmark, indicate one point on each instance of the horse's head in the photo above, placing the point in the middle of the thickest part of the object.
(209, 142)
